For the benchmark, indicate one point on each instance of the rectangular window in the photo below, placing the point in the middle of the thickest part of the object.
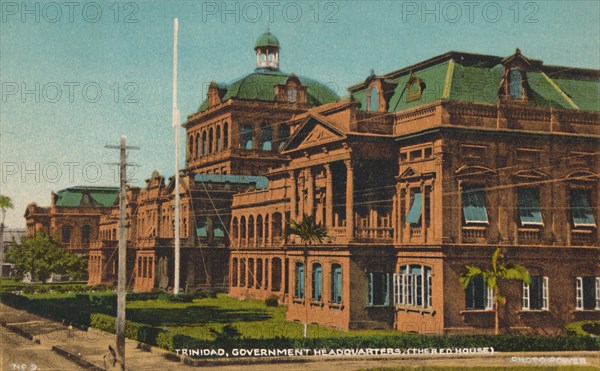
(581, 209)
(473, 202)
(317, 282)
(299, 281)
(412, 286)
(379, 288)
(535, 295)
(478, 295)
(588, 293)
(201, 227)
(530, 213)
(414, 214)
(336, 283)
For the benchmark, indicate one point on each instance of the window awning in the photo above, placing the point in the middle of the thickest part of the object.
(474, 209)
(414, 215)
(581, 209)
(529, 207)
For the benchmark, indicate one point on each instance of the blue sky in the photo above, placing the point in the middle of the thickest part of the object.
(104, 69)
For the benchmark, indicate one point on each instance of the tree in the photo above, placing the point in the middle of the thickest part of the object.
(498, 271)
(309, 232)
(5, 204)
(42, 255)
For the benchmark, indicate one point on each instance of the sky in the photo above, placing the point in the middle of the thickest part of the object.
(75, 76)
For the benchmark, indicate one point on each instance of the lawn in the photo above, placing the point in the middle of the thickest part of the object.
(251, 317)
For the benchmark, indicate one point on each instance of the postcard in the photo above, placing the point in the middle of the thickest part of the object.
(326, 185)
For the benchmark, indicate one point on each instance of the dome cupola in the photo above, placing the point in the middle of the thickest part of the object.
(267, 51)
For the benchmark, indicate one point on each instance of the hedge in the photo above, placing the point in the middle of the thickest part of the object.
(504, 343)
(583, 328)
(133, 330)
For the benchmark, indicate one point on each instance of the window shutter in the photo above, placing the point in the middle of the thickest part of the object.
(525, 296)
(490, 298)
(410, 287)
(429, 289)
(579, 294)
(302, 278)
(386, 287)
(545, 301)
(339, 285)
(397, 288)
(370, 299)
(597, 293)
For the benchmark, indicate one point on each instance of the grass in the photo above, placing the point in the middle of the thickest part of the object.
(251, 317)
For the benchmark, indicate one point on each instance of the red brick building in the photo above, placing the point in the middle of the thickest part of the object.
(73, 216)
(416, 174)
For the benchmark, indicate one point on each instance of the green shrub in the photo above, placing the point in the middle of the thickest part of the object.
(272, 300)
(583, 328)
(133, 330)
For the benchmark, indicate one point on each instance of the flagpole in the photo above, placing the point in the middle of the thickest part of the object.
(176, 126)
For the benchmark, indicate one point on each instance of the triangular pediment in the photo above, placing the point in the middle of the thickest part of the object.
(311, 133)
(408, 173)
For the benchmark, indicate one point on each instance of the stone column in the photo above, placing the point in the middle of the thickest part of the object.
(270, 228)
(311, 192)
(349, 199)
(293, 205)
(328, 196)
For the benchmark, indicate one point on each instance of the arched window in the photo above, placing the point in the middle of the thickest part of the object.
(211, 141)
(204, 149)
(292, 94)
(66, 233)
(283, 133)
(299, 281)
(242, 272)
(86, 233)
(197, 147)
(201, 230)
(234, 230)
(259, 273)
(275, 274)
(336, 284)
(243, 230)
(218, 139)
(317, 282)
(374, 99)
(251, 229)
(225, 135)
(266, 137)
(191, 146)
(276, 227)
(515, 84)
(234, 272)
(251, 274)
(259, 229)
(246, 137)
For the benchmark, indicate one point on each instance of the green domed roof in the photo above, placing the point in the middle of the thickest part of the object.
(266, 39)
(260, 85)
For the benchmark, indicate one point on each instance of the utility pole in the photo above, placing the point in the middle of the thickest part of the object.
(176, 125)
(122, 266)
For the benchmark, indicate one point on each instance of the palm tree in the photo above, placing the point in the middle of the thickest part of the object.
(499, 270)
(5, 204)
(309, 232)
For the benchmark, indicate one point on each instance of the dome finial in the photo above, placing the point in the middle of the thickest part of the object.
(267, 51)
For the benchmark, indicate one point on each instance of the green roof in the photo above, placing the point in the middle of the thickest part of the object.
(266, 39)
(477, 78)
(260, 85)
(87, 197)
